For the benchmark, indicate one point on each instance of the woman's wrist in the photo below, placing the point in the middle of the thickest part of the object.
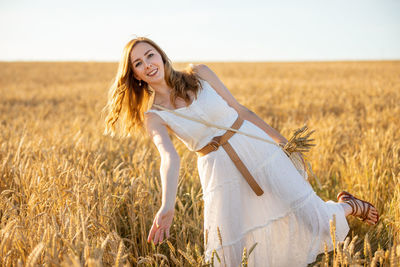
(167, 207)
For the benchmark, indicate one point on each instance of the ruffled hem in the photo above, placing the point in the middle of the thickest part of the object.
(294, 208)
(288, 240)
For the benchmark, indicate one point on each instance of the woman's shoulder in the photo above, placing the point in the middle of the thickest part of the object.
(211, 78)
(200, 69)
(204, 73)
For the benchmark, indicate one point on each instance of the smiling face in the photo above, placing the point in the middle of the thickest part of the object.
(147, 63)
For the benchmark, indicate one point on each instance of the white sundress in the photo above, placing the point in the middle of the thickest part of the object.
(289, 222)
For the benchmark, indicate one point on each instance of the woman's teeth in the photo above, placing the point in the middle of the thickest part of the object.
(152, 73)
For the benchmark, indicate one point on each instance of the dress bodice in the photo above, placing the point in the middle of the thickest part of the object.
(208, 106)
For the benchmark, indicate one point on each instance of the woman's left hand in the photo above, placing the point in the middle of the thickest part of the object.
(161, 224)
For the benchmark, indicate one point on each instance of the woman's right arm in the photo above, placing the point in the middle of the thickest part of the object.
(169, 172)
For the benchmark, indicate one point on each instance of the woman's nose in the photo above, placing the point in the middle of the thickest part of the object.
(148, 65)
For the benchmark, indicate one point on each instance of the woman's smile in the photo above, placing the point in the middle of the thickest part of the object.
(153, 72)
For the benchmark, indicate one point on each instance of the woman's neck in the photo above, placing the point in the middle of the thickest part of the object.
(162, 90)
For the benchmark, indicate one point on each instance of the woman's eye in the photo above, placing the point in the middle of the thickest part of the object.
(150, 55)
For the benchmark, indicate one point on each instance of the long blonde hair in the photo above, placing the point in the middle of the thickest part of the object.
(127, 100)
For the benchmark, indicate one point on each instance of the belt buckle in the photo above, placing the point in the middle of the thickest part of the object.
(214, 144)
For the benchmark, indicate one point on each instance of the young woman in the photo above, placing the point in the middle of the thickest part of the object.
(270, 204)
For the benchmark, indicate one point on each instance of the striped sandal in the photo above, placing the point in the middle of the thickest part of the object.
(346, 197)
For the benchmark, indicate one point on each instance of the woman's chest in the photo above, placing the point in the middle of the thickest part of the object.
(179, 101)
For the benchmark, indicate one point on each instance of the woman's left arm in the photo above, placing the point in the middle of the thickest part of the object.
(249, 115)
(208, 75)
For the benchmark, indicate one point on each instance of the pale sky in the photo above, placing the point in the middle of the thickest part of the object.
(207, 30)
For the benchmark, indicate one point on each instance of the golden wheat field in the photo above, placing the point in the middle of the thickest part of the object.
(70, 196)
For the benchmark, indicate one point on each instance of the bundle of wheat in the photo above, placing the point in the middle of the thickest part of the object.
(297, 145)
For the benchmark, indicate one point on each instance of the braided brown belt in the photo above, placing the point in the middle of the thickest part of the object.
(222, 140)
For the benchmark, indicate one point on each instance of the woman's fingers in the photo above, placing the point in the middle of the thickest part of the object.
(161, 235)
(157, 236)
(152, 232)
(161, 224)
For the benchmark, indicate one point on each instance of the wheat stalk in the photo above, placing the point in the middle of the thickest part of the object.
(32, 258)
(300, 141)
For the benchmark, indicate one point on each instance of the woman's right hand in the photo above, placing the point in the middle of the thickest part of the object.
(161, 224)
